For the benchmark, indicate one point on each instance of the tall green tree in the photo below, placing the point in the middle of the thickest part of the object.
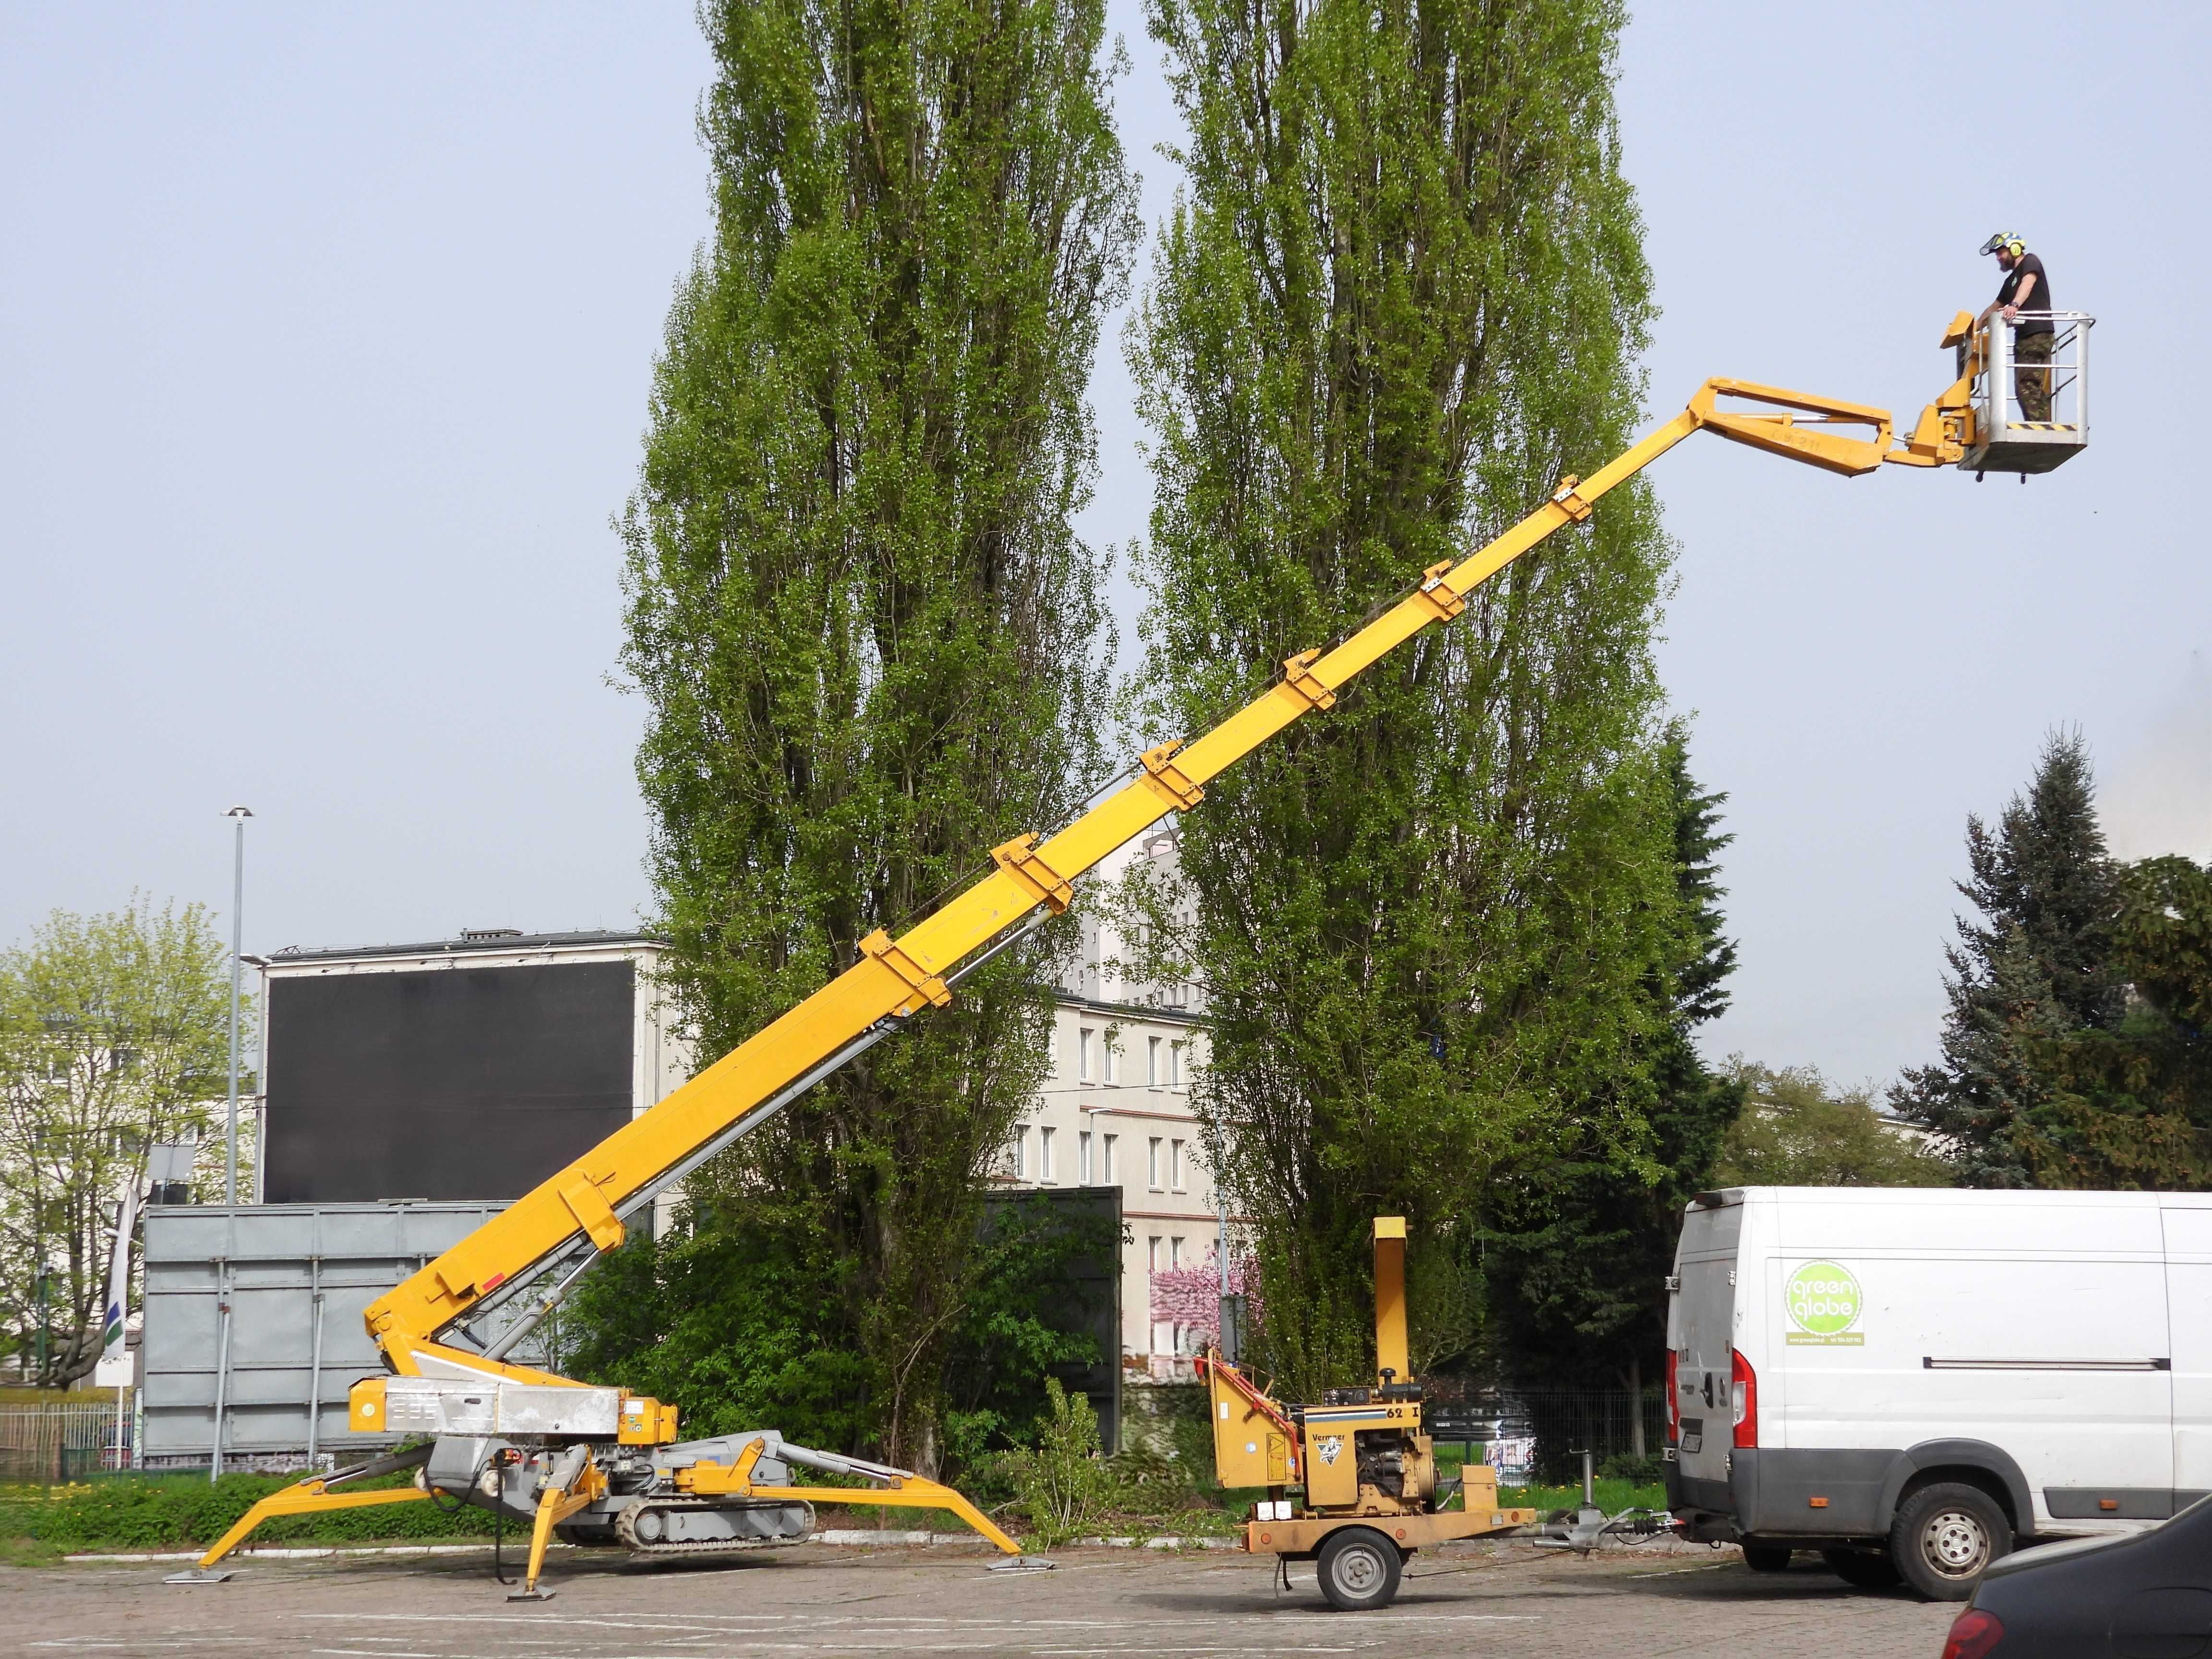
(861, 616)
(114, 1035)
(1576, 1246)
(1399, 297)
(2037, 964)
(2130, 1104)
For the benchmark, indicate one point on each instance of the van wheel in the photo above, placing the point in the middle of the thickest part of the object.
(1358, 1568)
(1864, 1569)
(1767, 1557)
(1946, 1535)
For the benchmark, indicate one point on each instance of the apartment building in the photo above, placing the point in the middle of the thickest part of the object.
(1116, 1111)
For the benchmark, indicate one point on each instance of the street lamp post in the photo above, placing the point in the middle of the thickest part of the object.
(238, 815)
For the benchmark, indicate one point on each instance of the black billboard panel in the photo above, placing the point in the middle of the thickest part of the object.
(453, 1083)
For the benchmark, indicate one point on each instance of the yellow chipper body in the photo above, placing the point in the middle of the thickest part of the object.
(1366, 1472)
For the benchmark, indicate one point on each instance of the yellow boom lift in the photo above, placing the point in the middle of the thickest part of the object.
(605, 1466)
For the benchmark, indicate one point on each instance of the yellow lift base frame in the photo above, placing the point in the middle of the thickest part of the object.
(893, 979)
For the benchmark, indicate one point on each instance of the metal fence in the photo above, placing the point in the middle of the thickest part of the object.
(1611, 1424)
(48, 1444)
(1540, 1433)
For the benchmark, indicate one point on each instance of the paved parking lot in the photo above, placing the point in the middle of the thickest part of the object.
(1480, 1599)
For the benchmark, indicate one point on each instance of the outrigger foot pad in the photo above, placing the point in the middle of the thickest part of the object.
(530, 1596)
(199, 1576)
(1024, 1564)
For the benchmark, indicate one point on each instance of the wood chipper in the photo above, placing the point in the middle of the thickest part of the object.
(1367, 1471)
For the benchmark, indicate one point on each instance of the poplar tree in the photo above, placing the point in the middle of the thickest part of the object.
(1399, 297)
(864, 629)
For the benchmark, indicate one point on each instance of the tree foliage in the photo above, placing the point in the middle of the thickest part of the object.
(863, 623)
(2038, 964)
(2130, 1104)
(722, 1317)
(115, 1037)
(1576, 1246)
(1400, 298)
(1798, 1130)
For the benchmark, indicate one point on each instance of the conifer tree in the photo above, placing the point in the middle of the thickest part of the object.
(2130, 1105)
(1400, 298)
(864, 629)
(2037, 965)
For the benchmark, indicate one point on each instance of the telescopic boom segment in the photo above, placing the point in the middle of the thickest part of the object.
(896, 978)
(607, 1465)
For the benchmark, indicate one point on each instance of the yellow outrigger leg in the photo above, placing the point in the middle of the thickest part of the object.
(310, 1496)
(575, 1483)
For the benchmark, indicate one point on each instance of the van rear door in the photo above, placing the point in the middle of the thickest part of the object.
(1702, 1322)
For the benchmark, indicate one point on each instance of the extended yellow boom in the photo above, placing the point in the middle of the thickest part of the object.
(605, 1466)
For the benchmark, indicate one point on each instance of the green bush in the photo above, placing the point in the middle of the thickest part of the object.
(1062, 1484)
(1650, 1470)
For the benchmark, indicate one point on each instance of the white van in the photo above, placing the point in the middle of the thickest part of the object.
(1910, 1381)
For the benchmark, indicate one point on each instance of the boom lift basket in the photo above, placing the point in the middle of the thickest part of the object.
(2001, 437)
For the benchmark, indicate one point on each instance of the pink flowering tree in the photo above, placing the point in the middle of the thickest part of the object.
(1191, 1297)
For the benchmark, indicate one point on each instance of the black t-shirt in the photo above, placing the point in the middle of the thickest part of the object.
(2039, 297)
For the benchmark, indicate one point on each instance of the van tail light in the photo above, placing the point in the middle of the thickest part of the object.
(1743, 1399)
(1973, 1634)
(1674, 1400)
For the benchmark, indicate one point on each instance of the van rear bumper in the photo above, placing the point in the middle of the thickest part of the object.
(1772, 1493)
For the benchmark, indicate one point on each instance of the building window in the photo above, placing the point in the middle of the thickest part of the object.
(1175, 1066)
(1018, 1154)
(1082, 1054)
(1108, 1174)
(1083, 1156)
(1044, 1155)
(1174, 1253)
(1153, 1079)
(1174, 1165)
(1153, 1163)
(1106, 1060)
(1153, 1253)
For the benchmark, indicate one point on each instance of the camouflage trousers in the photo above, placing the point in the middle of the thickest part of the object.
(2032, 384)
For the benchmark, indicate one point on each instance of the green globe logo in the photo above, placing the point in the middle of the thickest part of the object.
(1823, 1298)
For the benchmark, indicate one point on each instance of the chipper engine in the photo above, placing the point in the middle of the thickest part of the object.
(1367, 1473)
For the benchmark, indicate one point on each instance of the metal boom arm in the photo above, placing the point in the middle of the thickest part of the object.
(896, 978)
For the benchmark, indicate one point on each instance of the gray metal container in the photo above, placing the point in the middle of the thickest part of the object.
(256, 1310)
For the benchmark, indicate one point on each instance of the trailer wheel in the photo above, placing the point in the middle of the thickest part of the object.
(1767, 1557)
(1358, 1567)
(1944, 1537)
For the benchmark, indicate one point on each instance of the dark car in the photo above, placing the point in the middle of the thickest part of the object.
(2144, 1596)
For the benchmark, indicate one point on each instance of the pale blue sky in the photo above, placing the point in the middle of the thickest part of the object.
(324, 339)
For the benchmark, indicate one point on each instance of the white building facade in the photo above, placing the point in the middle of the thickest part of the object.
(1116, 1111)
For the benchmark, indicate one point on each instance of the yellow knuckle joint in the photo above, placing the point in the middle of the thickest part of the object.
(1568, 498)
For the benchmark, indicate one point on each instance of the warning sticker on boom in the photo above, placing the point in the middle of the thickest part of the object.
(1823, 1304)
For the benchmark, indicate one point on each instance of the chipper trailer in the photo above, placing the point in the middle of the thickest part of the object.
(1366, 1472)
(608, 1466)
